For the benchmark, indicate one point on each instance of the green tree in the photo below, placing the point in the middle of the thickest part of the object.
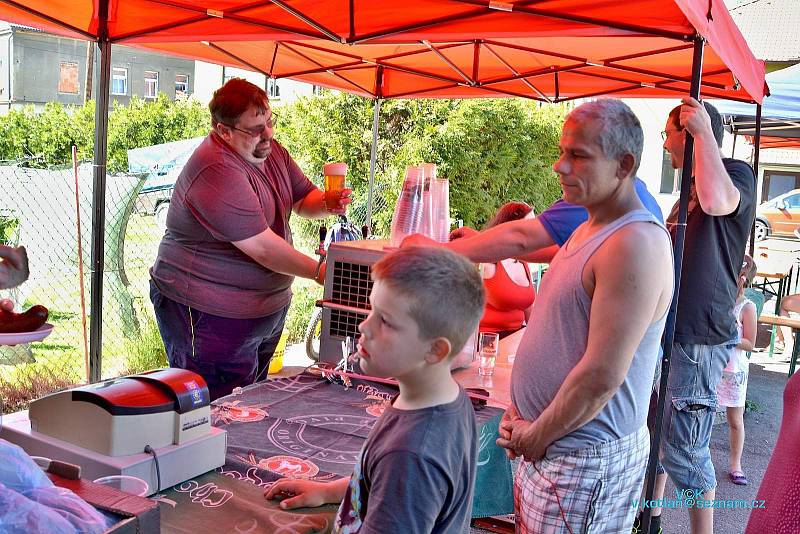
(15, 127)
(492, 150)
(46, 138)
(152, 122)
(496, 151)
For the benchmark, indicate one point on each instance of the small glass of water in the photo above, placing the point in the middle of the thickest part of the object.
(487, 352)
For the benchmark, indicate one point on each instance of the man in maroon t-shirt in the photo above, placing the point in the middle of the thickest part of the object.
(221, 282)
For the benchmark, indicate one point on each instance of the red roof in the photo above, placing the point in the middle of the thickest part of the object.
(549, 50)
(776, 142)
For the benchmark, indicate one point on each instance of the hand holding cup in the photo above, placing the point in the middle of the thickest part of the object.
(336, 201)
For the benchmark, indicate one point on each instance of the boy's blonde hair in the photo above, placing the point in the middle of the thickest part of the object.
(444, 288)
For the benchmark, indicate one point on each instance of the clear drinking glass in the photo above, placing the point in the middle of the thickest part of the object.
(334, 183)
(487, 352)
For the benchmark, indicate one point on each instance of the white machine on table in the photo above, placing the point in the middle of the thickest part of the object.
(347, 287)
(105, 427)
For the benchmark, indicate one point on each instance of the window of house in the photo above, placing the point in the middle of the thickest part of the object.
(119, 81)
(150, 84)
(181, 86)
(778, 182)
(273, 91)
(670, 177)
(68, 78)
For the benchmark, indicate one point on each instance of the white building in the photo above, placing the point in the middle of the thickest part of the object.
(209, 77)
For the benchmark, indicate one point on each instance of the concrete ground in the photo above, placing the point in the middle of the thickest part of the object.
(765, 394)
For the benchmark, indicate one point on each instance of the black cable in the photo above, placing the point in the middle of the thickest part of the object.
(150, 450)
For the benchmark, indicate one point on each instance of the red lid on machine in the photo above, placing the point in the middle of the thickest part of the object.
(157, 391)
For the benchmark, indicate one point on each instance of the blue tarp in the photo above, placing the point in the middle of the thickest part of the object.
(162, 162)
(782, 104)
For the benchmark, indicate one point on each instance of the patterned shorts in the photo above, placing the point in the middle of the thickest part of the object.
(593, 489)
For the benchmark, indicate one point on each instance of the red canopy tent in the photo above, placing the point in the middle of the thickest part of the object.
(550, 50)
(775, 142)
(547, 50)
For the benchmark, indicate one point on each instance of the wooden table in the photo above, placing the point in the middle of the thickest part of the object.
(794, 324)
(499, 384)
(775, 267)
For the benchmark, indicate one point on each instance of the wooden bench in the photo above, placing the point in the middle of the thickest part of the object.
(794, 324)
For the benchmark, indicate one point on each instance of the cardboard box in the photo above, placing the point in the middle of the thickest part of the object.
(139, 515)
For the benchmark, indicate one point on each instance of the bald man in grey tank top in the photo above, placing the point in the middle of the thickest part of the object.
(584, 369)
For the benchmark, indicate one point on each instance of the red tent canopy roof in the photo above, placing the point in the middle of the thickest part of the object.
(775, 142)
(549, 50)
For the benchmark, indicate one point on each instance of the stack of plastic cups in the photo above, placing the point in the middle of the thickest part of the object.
(408, 211)
(436, 201)
(426, 225)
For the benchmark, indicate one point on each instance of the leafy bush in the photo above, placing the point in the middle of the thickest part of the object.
(147, 122)
(146, 351)
(45, 139)
(497, 151)
(491, 150)
(8, 229)
(306, 294)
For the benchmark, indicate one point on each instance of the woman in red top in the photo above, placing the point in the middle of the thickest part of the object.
(509, 288)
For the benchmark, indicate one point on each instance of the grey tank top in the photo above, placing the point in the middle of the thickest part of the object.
(556, 339)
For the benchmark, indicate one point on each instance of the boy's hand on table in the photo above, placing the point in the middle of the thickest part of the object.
(301, 493)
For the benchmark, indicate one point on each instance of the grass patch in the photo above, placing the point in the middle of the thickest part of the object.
(147, 352)
(753, 406)
(18, 395)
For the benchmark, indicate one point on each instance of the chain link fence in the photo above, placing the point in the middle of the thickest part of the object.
(39, 208)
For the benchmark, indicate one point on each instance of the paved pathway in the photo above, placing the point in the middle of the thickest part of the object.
(765, 391)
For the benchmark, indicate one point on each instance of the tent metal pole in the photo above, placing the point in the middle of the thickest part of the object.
(373, 153)
(99, 197)
(756, 154)
(680, 236)
(733, 150)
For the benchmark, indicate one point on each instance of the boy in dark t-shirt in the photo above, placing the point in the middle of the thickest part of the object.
(416, 470)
